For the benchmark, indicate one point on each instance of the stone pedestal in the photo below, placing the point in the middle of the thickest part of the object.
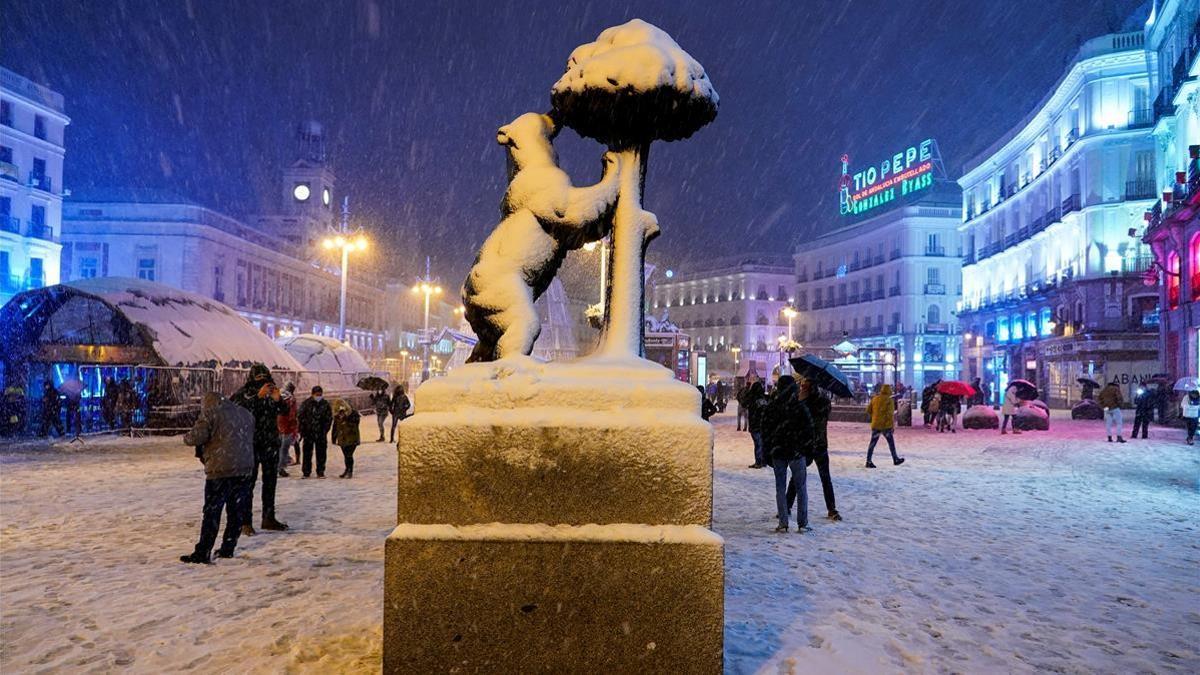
(554, 518)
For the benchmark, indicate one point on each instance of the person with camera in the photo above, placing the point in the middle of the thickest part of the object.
(265, 402)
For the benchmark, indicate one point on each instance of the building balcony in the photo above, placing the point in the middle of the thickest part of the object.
(1140, 118)
(1140, 189)
(895, 254)
(852, 300)
(11, 284)
(1054, 215)
(41, 232)
(877, 260)
(1038, 225)
(894, 291)
(39, 182)
(816, 303)
(9, 171)
(895, 328)
(1070, 204)
(969, 258)
(937, 251)
(10, 224)
(1136, 265)
(935, 289)
(939, 328)
(802, 277)
(877, 294)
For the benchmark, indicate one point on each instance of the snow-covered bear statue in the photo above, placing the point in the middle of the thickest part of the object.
(544, 217)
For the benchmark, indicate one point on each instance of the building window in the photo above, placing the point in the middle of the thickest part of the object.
(1194, 264)
(39, 127)
(6, 157)
(762, 293)
(88, 268)
(146, 268)
(1173, 280)
(6, 117)
(5, 271)
(933, 275)
(37, 273)
(934, 314)
(37, 215)
(218, 283)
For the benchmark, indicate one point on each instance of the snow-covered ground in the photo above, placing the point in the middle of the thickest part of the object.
(982, 553)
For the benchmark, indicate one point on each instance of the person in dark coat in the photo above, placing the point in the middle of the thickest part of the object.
(1144, 404)
(707, 409)
(754, 399)
(51, 410)
(819, 407)
(346, 433)
(264, 400)
(399, 407)
(224, 440)
(316, 418)
(789, 437)
(926, 397)
(108, 403)
(382, 403)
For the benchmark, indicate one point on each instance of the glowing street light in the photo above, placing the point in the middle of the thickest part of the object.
(790, 314)
(429, 287)
(345, 244)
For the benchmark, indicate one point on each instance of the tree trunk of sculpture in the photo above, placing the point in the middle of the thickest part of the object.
(625, 301)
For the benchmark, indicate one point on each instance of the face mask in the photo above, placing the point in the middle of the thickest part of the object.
(318, 397)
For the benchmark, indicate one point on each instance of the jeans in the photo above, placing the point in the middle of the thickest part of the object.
(758, 448)
(348, 458)
(286, 443)
(1191, 428)
(395, 421)
(822, 462)
(886, 433)
(1113, 417)
(321, 445)
(232, 495)
(266, 458)
(381, 419)
(1142, 420)
(1004, 424)
(781, 467)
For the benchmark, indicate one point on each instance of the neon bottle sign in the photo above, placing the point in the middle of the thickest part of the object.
(903, 173)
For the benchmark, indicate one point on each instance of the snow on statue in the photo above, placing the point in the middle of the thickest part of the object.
(544, 218)
(630, 87)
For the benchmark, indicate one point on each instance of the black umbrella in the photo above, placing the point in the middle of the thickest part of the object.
(823, 373)
(1026, 390)
(1088, 382)
(372, 383)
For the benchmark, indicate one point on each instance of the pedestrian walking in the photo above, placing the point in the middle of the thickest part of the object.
(755, 402)
(13, 421)
(346, 434)
(399, 407)
(51, 411)
(789, 438)
(315, 419)
(289, 430)
(382, 403)
(1111, 399)
(1189, 409)
(948, 409)
(1009, 410)
(927, 397)
(127, 401)
(223, 436)
(108, 403)
(744, 402)
(1143, 410)
(882, 412)
(934, 410)
(819, 408)
(265, 402)
(707, 409)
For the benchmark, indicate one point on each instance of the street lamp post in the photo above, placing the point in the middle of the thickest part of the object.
(346, 241)
(790, 314)
(404, 366)
(430, 288)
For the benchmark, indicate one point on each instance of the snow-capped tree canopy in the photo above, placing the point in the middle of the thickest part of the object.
(634, 84)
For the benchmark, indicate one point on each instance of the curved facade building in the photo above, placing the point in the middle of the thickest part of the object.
(1052, 282)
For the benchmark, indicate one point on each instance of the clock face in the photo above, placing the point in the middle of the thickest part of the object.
(301, 192)
(325, 196)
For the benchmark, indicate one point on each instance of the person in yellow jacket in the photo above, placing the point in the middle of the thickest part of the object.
(882, 412)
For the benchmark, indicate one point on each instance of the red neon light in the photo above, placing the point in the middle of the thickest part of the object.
(894, 180)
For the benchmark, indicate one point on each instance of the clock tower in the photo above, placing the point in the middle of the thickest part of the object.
(308, 207)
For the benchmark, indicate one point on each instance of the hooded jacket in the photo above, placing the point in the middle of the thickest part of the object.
(224, 440)
(882, 409)
(1110, 396)
(345, 424)
(266, 410)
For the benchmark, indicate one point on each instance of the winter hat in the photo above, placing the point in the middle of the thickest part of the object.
(258, 372)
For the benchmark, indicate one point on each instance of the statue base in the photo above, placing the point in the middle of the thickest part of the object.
(554, 517)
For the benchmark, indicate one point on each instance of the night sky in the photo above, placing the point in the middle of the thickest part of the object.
(201, 98)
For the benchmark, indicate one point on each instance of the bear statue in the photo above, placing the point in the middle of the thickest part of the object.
(543, 218)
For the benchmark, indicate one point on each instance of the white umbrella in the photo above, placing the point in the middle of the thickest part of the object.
(1187, 384)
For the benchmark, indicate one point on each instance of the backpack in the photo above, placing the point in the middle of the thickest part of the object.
(935, 403)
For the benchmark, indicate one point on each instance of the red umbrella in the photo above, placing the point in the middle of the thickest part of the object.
(956, 388)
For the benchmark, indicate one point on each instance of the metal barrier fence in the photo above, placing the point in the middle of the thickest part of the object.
(157, 399)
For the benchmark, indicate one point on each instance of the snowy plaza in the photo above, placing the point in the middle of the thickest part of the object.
(982, 553)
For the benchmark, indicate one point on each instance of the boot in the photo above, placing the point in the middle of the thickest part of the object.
(247, 530)
(1119, 439)
(834, 515)
(282, 473)
(781, 528)
(1110, 439)
(272, 524)
(898, 461)
(194, 559)
(870, 465)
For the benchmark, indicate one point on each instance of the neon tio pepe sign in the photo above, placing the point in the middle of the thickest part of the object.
(905, 172)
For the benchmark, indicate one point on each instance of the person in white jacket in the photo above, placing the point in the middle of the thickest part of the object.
(1011, 401)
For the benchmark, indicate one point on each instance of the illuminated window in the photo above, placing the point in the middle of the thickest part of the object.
(1194, 264)
(1031, 325)
(1017, 328)
(1173, 281)
(1045, 319)
(1002, 329)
